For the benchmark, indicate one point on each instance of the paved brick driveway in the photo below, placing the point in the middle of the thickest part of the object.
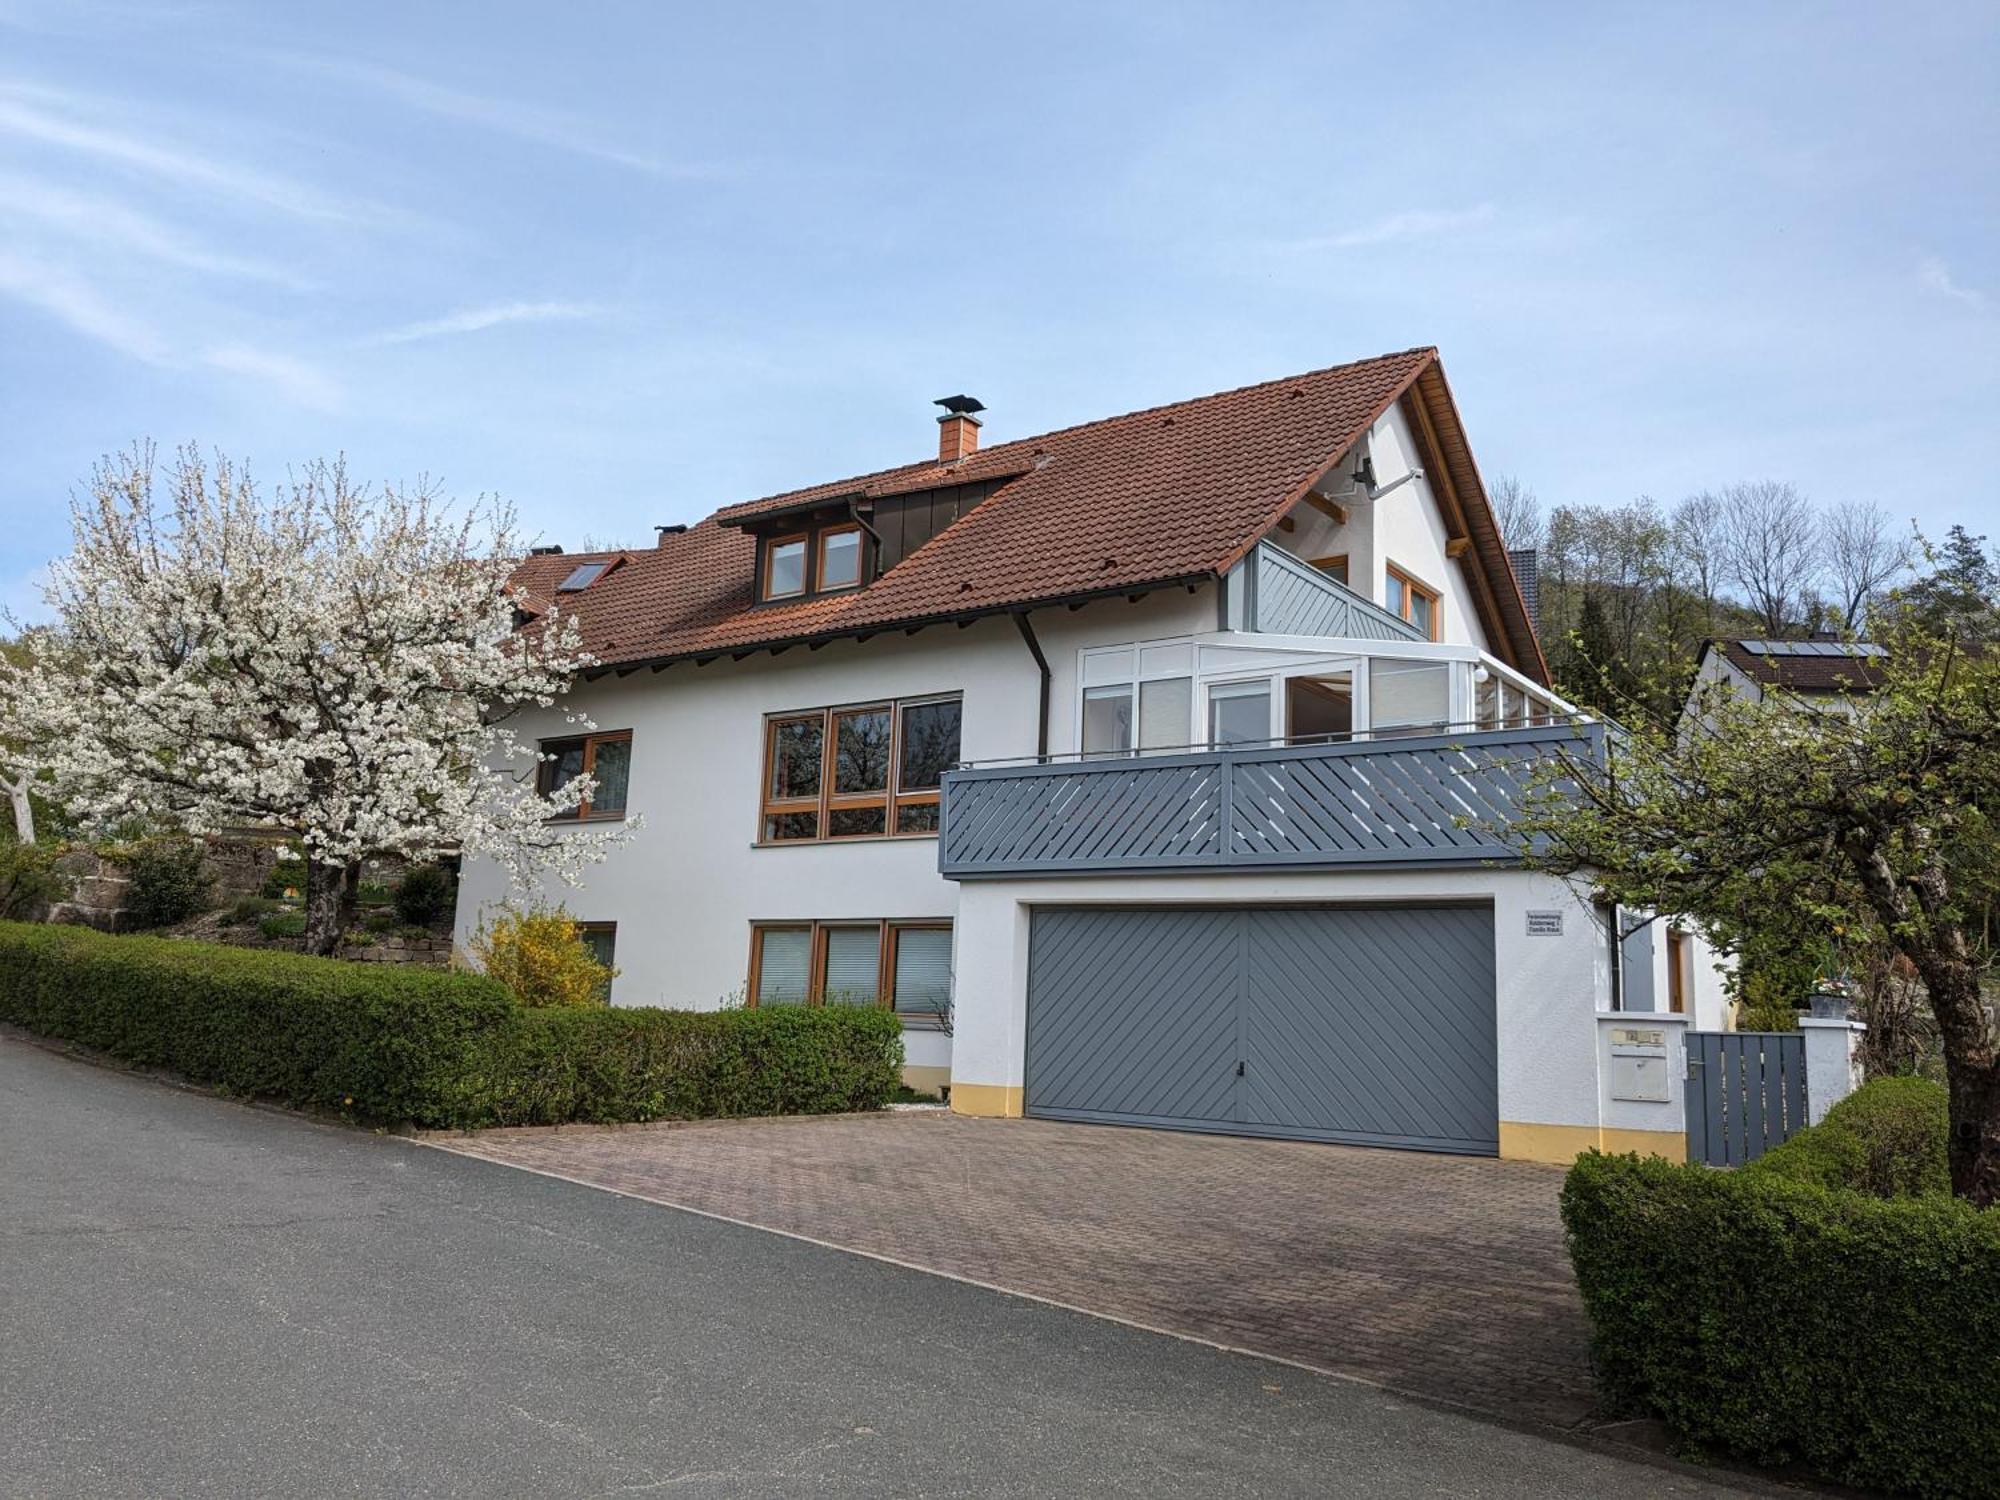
(1440, 1276)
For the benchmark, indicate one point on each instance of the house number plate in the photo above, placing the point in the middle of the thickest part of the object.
(1545, 924)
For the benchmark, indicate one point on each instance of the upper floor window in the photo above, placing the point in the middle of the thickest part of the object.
(865, 771)
(839, 559)
(821, 560)
(1414, 600)
(784, 567)
(606, 757)
(1335, 567)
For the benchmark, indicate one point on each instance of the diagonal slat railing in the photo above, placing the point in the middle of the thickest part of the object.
(1443, 798)
(1289, 596)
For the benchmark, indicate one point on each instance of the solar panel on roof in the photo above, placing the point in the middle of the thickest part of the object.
(581, 577)
(1813, 648)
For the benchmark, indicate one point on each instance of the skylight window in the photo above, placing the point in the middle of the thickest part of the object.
(581, 577)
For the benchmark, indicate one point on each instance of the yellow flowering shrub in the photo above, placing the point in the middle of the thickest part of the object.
(540, 957)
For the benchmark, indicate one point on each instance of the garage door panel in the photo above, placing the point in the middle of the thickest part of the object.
(1308, 1024)
(1134, 1013)
(1142, 1013)
(1439, 967)
(1396, 1005)
(1368, 1024)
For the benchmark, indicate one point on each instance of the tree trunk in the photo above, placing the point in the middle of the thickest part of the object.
(24, 810)
(1938, 950)
(1975, 1133)
(323, 888)
(350, 895)
(1971, 1075)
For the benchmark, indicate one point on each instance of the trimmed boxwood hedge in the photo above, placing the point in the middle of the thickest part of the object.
(1889, 1139)
(430, 1048)
(1783, 1322)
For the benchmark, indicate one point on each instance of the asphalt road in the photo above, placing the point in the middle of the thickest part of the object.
(198, 1298)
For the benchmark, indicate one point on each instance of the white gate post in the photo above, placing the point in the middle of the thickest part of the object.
(1833, 1062)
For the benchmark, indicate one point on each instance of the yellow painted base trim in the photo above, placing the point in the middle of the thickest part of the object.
(995, 1101)
(1520, 1141)
(925, 1080)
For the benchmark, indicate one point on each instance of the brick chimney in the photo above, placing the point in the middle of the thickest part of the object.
(958, 428)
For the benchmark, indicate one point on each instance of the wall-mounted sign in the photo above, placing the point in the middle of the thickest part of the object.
(1545, 924)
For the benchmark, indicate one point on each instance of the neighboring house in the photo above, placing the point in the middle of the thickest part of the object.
(1140, 766)
(1823, 673)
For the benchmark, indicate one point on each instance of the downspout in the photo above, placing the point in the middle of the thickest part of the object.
(1041, 661)
(854, 513)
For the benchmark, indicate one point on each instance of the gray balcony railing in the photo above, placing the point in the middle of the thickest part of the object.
(1418, 800)
(1284, 595)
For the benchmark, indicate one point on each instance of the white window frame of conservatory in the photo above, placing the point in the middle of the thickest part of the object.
(1135, 674)
(1288, 656)
(1275, 678)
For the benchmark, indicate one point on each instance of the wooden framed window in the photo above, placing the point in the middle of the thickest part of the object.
(781, 964)
(919, 968)
(902, 965)
(785, 567)
(863, 771)
(926, 747)
(606, 757)
(1415, 600)
(1335, 567)
(837, 563)
(794, 762)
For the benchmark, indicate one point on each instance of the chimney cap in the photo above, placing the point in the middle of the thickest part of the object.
(960, 406)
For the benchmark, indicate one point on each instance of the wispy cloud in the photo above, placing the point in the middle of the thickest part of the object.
(472, 320)
(72, 301)
(65, 296)
(1935, 276)
(27, 113)
(106, 224)
(526, 122)
(299, 382)
(1411, 224)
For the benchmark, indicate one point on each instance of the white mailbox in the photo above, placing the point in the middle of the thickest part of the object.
(1639, 1064)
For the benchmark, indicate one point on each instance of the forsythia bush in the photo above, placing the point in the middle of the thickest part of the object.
(424, 1047)
(1781, 1321)
(539, 956)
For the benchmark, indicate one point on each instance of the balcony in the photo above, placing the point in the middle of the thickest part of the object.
(1399, 801)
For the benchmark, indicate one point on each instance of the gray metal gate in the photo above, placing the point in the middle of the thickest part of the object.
(1367, 1024)
(1746, 1092)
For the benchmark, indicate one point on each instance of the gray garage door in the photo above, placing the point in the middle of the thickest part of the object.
(1366, 1024)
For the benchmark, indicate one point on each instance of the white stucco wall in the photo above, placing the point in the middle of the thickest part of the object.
(687, 887)
(1404, 525)
(1549, 988)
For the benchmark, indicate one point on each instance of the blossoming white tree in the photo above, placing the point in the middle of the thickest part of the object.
(333, 661)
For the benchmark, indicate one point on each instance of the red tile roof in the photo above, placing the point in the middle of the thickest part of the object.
(1807, 666)
(1169, 495)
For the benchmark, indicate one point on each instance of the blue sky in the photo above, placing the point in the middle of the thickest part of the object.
(623, 263)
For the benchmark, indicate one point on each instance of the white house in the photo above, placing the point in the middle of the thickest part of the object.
(1825, 674)
(1150, 769)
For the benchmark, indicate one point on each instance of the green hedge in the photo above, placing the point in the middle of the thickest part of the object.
(425, 1047)
(1889, 1139)
(1780, 1322)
